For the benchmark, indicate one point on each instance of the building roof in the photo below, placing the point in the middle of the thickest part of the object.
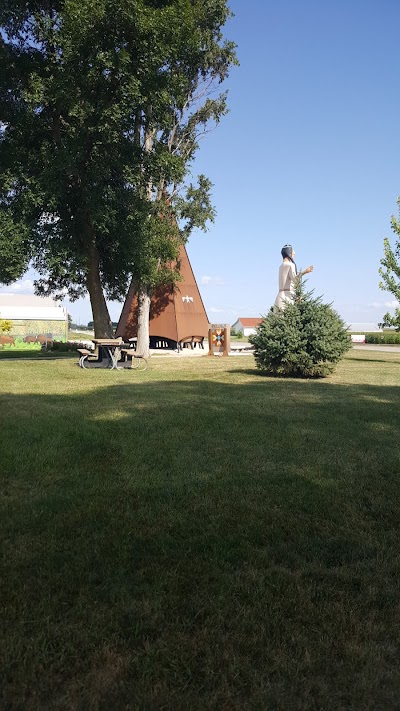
(26, 307)
(363, 328)
(250, 322)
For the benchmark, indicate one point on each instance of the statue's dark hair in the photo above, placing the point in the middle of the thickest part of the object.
(286, 252)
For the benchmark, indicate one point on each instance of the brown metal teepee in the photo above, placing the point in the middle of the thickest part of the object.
(177, 314)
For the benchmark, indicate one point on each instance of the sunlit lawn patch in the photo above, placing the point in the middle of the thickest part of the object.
(199, 536)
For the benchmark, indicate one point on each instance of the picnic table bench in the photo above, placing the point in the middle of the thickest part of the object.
(138, 362)
(192, 341)
(84, 355)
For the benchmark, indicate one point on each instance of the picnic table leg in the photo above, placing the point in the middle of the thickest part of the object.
(114, 356)
(110, 358)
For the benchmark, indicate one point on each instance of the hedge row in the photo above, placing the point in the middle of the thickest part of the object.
(67, 346)
(382, 338)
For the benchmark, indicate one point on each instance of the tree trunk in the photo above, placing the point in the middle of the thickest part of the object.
(143, 335)
(101, 317)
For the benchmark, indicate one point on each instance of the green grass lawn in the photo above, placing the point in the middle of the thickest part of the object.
(80, 335)
(20, 350)
(199, 536)
(32, 350)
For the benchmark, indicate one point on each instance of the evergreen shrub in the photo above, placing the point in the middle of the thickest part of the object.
(306, 339)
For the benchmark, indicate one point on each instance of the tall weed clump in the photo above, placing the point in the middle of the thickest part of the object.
(306, 339)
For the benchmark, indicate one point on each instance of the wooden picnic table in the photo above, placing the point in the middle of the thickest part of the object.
(112, 348)
(115, 350)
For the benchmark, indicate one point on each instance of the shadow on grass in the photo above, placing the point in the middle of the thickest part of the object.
(375, 360)
(263, 374)
(35, 354)
(14, 352)
(202, 545)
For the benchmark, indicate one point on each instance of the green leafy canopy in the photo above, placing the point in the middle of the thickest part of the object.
(103, 106)
(390, 272)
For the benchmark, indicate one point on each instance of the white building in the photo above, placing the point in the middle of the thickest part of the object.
(246, 326)
(363, 328)
(34, 315)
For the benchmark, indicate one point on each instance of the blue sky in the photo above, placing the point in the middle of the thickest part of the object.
(309, 154)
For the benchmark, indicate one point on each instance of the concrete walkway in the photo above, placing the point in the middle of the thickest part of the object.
(387, 348)
(237, 349)
(247, 349)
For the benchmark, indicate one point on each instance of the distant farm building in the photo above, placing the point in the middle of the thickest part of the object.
(246, 326)
(34, 315)
(363, 328)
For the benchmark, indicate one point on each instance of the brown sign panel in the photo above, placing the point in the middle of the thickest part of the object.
(218, 339)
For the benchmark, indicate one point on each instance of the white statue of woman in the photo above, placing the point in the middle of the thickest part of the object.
(287, 277)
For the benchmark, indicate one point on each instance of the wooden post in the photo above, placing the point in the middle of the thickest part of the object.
(210, 350)
(227, 344)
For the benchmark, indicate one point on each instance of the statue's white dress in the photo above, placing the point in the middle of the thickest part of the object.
(287, 277)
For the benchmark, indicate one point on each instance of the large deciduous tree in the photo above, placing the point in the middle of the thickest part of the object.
(102, 106)
(390, 272)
